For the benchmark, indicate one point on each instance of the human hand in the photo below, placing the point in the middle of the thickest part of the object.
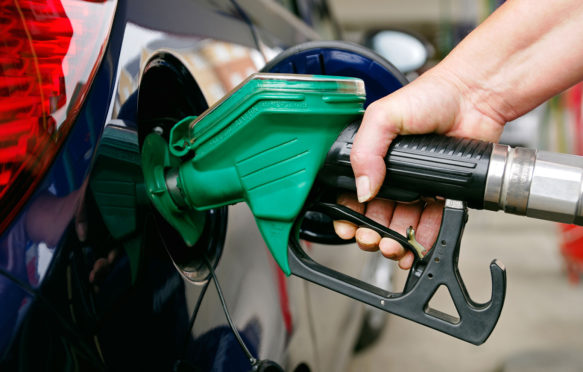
(438, 101)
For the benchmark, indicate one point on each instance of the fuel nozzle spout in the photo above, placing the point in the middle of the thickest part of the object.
(538, 184)
(171, 175)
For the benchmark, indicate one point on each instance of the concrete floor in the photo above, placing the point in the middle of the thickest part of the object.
(541, 326)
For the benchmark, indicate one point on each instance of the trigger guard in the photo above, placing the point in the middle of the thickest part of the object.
(476, 321)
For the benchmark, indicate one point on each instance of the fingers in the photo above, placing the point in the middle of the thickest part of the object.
(405, 215)
(429, 223)
(425, 218)
(413, 109)
(371, 142)
(426, 222)
(346, 230)
(380, 211)
(406, 261)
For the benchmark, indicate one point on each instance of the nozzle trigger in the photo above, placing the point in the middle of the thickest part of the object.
(430, 270)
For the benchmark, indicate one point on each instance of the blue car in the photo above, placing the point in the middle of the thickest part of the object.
(91, 277)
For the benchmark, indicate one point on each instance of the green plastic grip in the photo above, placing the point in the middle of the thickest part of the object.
(262, 144)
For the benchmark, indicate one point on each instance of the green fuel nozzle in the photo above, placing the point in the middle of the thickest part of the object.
(273, 137)
(263, 144)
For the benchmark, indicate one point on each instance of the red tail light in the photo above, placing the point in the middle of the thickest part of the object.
(49, 52)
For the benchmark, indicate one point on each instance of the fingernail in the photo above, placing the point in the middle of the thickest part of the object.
(344, 230)
(363, 188)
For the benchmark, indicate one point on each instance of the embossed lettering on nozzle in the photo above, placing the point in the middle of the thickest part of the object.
(556, 190)
(509, 179)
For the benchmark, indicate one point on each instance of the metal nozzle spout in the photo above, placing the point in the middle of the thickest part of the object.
(537, 184)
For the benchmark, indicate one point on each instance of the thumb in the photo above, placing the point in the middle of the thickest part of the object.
(380, 125)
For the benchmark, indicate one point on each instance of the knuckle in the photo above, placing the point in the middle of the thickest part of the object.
(377, 114)
(358, 157)
(378, 214)
(375, 109)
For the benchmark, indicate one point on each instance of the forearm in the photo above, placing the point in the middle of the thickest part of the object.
(525, 53)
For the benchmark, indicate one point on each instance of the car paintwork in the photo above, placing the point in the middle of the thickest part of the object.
(68, 298)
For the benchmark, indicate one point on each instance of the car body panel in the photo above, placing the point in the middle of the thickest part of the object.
(77, 296)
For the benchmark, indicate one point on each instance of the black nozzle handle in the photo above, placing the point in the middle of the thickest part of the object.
(475, 321)
(418, 165)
